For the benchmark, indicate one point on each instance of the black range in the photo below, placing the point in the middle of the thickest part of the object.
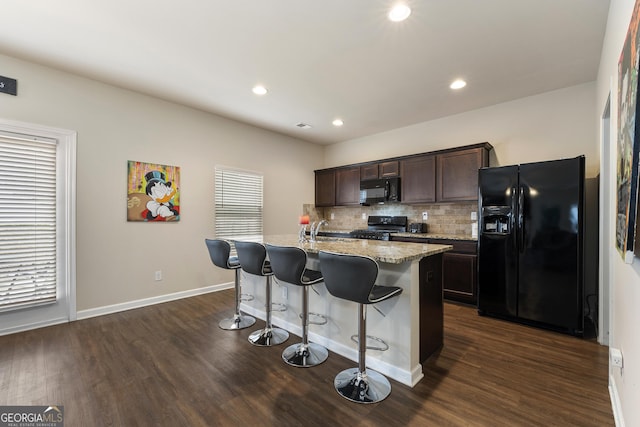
(381, 227)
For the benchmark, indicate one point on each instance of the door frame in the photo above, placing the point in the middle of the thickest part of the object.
(64, 310)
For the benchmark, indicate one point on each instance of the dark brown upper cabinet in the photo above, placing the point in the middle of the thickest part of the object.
(449, 175)
(418, 179)
(379, 170)
(458, 174)
(348, 186)
(368, 172)
(389, 169)
(325, 188)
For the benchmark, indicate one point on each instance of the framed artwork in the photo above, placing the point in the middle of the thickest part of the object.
(628, 146)
(153, 192)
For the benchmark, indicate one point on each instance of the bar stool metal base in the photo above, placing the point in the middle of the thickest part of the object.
(362, 387)
(237, 322)
(268, 337)
(305, 355)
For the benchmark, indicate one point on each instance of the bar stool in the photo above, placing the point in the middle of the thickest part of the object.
(253, 260)
(289, 265)
(352, 277)
(219, 251)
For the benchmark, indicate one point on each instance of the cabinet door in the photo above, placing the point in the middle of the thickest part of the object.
(418, 179)
(388, 169)
(369, 172)
(459, 277)
(458, 174)
(348, 186)
(325, 188)
(380, 170)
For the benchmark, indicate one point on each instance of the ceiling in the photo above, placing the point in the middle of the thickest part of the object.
(319, 60)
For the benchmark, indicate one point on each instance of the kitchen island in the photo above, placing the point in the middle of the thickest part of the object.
(411, 324)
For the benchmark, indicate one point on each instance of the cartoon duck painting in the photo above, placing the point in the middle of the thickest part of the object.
(161, 192)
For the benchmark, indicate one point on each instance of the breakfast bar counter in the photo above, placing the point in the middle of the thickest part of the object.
(411, 324)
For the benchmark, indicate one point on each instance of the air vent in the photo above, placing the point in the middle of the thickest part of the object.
(303, 125)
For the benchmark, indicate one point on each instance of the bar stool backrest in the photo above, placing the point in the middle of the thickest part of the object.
(219, 251)
(350, 277)
(287, 263)
(253, 258)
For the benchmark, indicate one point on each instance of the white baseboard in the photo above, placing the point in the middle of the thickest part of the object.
(616, 407)
(129, 305)
(34, 325)
(115, 308)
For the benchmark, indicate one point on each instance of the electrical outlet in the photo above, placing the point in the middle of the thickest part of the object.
(616, 357)
(158, 275)
(364, 215)
(285, 292)
(474, 216)
(332, 215)
(425, 216)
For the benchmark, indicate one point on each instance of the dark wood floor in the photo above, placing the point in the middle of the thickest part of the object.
(170, 365)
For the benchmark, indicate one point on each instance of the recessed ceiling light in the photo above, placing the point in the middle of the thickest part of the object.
(458, 84)
(338, 122)
(399, 12)
(259, 90)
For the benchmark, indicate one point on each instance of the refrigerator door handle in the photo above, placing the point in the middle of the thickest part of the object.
(520, 232)
(513, 218)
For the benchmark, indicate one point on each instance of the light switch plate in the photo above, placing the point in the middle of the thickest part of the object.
(425, 216)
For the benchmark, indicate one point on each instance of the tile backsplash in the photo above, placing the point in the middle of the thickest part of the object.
(443, 218)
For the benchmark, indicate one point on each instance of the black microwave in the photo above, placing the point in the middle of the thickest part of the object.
(379, 191)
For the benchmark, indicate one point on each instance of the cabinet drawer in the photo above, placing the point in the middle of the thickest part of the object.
(459, 246)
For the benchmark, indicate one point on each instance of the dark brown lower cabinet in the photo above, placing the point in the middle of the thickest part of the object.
(459, 272)
(459, 277)
(459, 268)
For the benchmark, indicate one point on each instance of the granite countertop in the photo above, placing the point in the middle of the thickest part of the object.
(412, 235)
(382, 251)
(437, 236)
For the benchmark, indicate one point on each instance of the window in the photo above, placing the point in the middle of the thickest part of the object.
(27, 222)
(37, 226)
(238, 203)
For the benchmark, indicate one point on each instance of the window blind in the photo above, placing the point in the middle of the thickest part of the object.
(238, 203)
(27, 222)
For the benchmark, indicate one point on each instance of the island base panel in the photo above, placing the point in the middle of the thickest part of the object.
(431, 306)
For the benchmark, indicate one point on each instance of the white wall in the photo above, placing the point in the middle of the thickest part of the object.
(116, 259)
(549, 126)
(625, 279)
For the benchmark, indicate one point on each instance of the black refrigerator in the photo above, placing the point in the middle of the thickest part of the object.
(531, 244)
